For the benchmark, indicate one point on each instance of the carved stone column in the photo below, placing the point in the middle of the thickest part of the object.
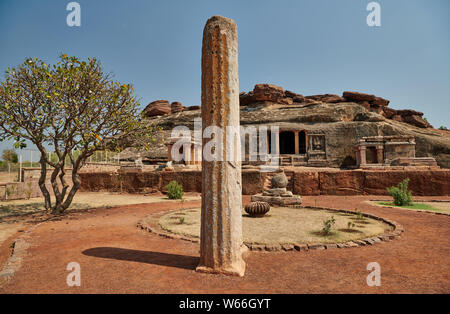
(297, 148)
(362, 154)
(221, 219)
(380, 155)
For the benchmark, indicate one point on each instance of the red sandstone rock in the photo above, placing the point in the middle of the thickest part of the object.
(290, 94)
(268, 92)
(417, 121)
(434, 182)
(176, 107)
(365, 104)
(341, 182)
(246, 98)
(356, 96)
(373, 182)
(299, 99)
(306, 183)
(286, 101)
(409, 112)
(328, 98)
(389, 112)
(193, 108)
(381, 101)
(157, 108)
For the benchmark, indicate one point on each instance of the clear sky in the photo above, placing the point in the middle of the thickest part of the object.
(307, 46)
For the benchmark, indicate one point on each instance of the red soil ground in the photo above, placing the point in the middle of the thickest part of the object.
(117, 257)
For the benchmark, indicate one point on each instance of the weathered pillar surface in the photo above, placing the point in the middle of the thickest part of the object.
(221, 220)
(297, 146)
(363, 155)
(380, 154)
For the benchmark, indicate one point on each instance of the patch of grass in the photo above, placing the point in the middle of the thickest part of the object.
(330, 234)
(417, 206)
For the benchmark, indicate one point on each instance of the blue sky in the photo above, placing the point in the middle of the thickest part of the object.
(307, 46)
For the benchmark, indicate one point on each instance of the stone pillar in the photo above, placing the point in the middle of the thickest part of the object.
(362, 155)
(380, 155)
(297, 147)
(221, 245)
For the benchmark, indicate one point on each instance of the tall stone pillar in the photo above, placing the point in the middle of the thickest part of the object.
(221, 245)
(362, 156)
(380, 155)
(296, 146)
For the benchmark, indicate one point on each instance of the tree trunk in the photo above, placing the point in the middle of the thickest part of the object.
(42, 186)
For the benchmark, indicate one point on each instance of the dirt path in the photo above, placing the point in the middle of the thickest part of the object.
(117, 257)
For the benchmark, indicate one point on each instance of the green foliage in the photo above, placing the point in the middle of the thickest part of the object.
(174, 190)
(327, 225)
(402, 196)
(71, 106)
(359, 214)
(181, 220)
(443, 128)
(10, 155)
(350, 225)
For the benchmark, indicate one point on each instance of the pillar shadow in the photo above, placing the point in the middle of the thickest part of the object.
(148, 257)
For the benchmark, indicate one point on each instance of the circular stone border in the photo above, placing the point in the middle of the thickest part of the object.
(388, 236)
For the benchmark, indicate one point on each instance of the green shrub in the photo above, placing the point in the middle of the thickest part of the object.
(174, 190)
(400, 193)
(327, 224)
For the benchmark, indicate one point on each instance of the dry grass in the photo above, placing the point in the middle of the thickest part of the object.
(283, 225)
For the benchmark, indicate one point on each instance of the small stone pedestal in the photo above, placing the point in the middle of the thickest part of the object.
(278, 195)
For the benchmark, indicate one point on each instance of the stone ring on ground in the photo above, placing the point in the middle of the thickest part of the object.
(285, 228)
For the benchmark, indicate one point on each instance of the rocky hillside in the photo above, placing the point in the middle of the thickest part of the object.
(343, 119)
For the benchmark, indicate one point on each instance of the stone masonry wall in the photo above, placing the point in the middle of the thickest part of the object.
(315, 182)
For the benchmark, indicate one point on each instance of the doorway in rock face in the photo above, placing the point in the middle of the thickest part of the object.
(371, 155)
(287, 142)
(302, 142)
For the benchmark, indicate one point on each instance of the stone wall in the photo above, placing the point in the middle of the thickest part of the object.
(315, 182)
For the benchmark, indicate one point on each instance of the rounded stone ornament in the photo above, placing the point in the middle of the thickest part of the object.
(257, 209)
(279, 181)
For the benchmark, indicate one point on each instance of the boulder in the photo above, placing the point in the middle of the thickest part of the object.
(381, 101)
(299, 99)
(409, 112)
(328, 98)
(176, 107)
(290, 94)
(193, 108)
(157, 108)
(389, 112)
(356, 96)
(246, 98)
(417, 121)
(286, 101)
(268, 92)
